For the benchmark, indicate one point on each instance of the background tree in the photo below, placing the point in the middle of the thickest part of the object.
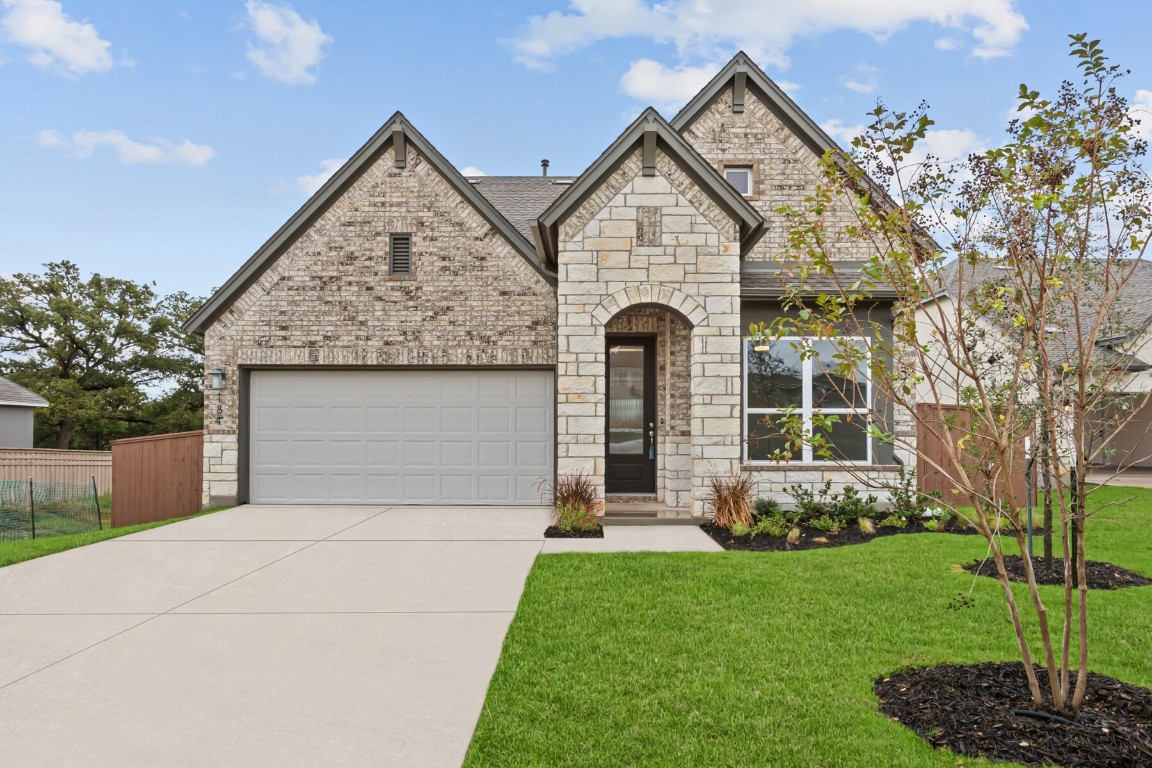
(1040, 240)
(108, 355)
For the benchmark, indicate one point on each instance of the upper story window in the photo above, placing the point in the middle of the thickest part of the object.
(740, 177)
(400, 255)
(799, 378)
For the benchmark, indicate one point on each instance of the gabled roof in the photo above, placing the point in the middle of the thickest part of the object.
(12, 393)
(396, 129)
(521, 199)
(743, 73)
(651, 131)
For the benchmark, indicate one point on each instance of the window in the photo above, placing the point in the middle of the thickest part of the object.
(740, 178)
(803, 377)
(400, 255)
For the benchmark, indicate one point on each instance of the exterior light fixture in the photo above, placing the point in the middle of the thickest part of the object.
(216, 378)
(760, 345)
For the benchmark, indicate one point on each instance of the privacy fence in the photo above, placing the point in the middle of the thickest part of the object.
(54, 466)
(33, 509)
(156, 478)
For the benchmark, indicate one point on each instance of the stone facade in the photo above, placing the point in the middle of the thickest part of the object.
(693, 269)
(328, 299)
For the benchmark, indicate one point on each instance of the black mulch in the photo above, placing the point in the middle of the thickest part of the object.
(810, 538)
(985, 710)
(1100, 575)
(552, 532)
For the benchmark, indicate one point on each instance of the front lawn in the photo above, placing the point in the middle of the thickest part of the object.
(29, 549)
(768, 659)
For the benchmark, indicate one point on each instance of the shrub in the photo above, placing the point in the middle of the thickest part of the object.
(894, 521)
(575, 517)
(767, 507)
(793, 537)
(739, 529)
(849, 505)
(867, 527)
(826, 523)
(731, 500)
(772, 525)
(932, 525)
(571, 490)
(811, 505)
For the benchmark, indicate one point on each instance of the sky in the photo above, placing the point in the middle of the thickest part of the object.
(165, 141)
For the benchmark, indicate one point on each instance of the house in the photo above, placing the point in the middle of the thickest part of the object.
(414, 336)
(17, 405)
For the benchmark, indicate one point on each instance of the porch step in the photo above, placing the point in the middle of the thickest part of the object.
(622, 520)
(645, 513)
(620, 498)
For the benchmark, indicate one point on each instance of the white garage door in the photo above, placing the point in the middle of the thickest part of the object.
(400, 437)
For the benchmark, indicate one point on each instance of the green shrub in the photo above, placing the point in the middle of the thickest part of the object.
(767, 507)
(740, 529)
(826, 523)
(932, 525)
(849, 505)
(809, 505)
(575, 517)
(772, 525)
(894, 521)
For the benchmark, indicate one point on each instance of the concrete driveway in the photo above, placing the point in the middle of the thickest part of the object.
(263, 636)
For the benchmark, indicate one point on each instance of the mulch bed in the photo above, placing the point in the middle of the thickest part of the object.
(985, 710)
(1100, 575)
(552, 532)
(810, 538)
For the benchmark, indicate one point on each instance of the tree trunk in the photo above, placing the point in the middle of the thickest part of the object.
(65, 437)
(1046, 480)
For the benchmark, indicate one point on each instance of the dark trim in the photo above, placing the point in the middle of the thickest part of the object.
(337, 184)
(650, 129)
(649, 164)
(243, 436)
(739, 86)
(401, 153)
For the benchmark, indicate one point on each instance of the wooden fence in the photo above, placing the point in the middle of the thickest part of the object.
(55, 466)
(931, 448)
(156, 478)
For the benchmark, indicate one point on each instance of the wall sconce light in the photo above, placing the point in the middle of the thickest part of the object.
(216, 378)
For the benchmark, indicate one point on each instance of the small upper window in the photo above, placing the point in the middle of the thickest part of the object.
(400, 255)
(740, 178)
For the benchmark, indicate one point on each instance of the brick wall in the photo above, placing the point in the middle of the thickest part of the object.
(328, 300)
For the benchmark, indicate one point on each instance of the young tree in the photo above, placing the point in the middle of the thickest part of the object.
(108, 354)
(1016, 308)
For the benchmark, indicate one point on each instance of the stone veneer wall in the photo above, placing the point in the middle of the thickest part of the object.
(673, 396)
(784, 169)
(328, 300)
(651, 240)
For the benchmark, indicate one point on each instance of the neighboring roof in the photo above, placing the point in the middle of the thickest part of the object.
(651, 130)
(521, 199)
(766, 280)
(741, 66)
(395, 128)
(12, 393)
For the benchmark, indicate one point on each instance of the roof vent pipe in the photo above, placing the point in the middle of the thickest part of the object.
(544, 167)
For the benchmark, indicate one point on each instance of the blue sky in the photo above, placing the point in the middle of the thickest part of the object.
(165, 141)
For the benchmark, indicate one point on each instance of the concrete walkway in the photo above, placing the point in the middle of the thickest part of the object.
(271, 636)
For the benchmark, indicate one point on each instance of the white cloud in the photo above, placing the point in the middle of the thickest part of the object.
(287, 48)
(309, 183)
(712, 29)
(946, 43)
(1140, 109)
(471, 170)
(654, 83)
(863, 79)
(843, 134)
(129, 151)
(57, 42)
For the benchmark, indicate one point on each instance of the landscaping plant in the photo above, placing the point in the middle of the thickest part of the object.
(731, 500)
(1009, 268)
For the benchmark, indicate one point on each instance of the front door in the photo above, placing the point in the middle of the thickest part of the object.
(631, 422)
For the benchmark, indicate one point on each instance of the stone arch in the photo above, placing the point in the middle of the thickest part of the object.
(647, 293)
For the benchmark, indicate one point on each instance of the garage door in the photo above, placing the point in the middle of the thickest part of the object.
(400, 437)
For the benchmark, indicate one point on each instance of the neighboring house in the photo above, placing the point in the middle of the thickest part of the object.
(1122, 349)
(17, 405)
(414, 336)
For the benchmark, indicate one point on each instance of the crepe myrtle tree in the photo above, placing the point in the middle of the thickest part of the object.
(1009, 271)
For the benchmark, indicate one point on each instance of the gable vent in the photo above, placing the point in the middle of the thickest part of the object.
(400, 255)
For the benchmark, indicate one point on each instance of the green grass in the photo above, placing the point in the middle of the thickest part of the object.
(768, 659)
(29, 549)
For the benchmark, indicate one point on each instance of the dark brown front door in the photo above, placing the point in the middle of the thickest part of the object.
(631, 422)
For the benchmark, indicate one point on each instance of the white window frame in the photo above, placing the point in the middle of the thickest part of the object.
(806, 410)
(745, 169)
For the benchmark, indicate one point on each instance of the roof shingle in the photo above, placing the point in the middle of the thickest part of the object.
(12, 393)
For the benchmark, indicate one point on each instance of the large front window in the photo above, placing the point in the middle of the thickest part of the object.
(795, 382)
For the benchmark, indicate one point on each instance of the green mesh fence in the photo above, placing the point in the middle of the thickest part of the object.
(31, 509)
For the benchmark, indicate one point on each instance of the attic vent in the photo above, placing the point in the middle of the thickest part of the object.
(400, 255)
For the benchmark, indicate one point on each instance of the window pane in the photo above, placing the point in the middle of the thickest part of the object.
(775, 377)
(849, 439)
(832, 385)
(626, 400)
(740, 178)
(764, 437)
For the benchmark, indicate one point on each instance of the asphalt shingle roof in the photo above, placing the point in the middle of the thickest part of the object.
(12, 393)
(521, 199)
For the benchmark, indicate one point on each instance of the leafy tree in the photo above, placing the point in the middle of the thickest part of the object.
(108, 355)
(1038, 243)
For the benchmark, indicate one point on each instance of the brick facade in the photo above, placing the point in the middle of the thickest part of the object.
(329, 300)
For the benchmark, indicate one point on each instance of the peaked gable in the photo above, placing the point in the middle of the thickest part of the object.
(396, 133)
(649, 132)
